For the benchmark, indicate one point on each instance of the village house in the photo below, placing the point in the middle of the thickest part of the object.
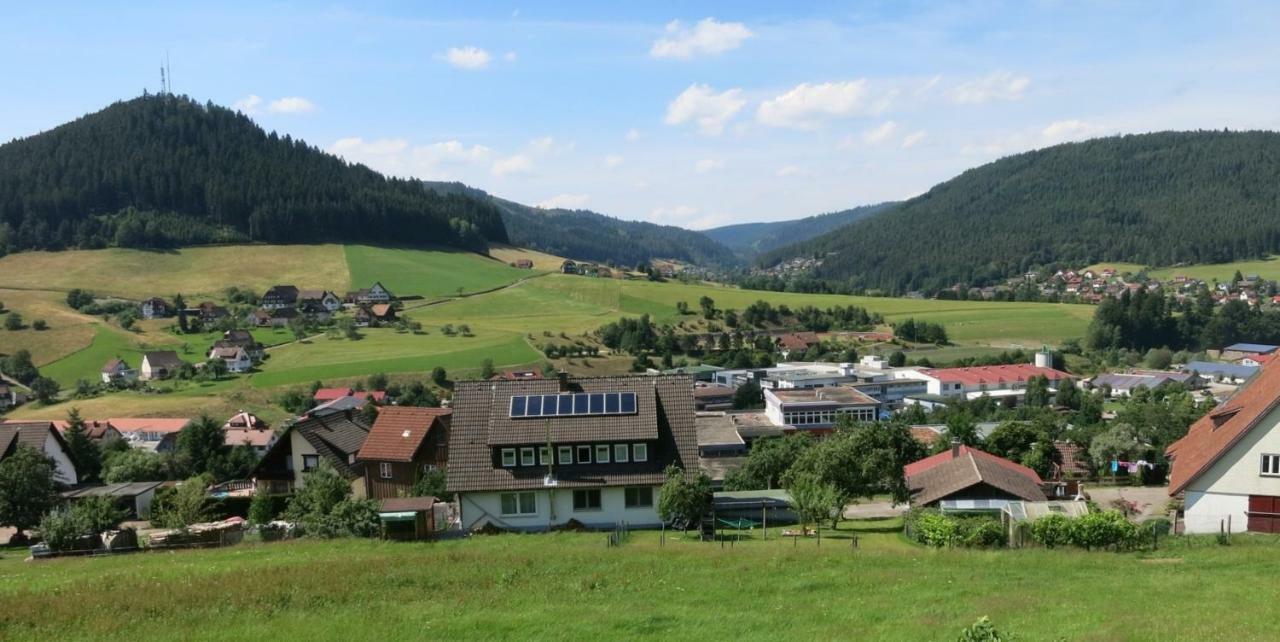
(160, 365)
(796, 342)
(44, 438)
(272, 317)
(517, 374)
(1222, 372)
(324, 298)
(1228, 464)
(116, 371)
(1238, 351)
(404, 444)
(279, 296)
(241, 339)
(535, 454)
(209, 312)
(315, 311)
(1125, 384)
(157, 434)
(236, 358)
(11, 396)
(247, 429)
(817, 410)
(568, 267)
(334, 440)
(967, 479)
(381, 314)
(375, 293)
(713, 397)
(155, 308)
(1001, 382)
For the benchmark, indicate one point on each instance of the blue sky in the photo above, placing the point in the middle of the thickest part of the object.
(681, 113)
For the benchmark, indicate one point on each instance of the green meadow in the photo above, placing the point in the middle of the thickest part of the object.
(570, 586)
(1268, 268)
(510, 313)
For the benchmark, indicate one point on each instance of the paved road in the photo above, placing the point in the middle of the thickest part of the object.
(872, 510)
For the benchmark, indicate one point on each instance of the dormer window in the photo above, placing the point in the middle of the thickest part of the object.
(508, 457)
(527, 457)
(584, 454)
(602, 454)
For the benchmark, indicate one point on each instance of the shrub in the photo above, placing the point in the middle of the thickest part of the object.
(935, 529)
(260, 509)
(62, 530)
(1051, 530)
(1159, 525)
(982, 631)
(39, 324)
(980, 532)
(1108, 528)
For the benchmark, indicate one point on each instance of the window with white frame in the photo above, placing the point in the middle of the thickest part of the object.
(310, 463)
(384, 470)
(584, 500)
(584, 454)
(639, 452)
(566, 455)
(527, 457)
(508, 457)
(602, 454)
(639, 497)
(544, 455)
(519, 504)
(1271, 465)
(621, 453)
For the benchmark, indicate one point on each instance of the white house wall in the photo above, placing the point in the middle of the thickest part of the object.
(478, 506)
(1224, 489)
(64, 471)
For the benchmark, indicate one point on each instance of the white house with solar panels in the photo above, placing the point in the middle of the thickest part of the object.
(532, 455)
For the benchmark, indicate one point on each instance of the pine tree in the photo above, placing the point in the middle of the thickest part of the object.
(84, 454)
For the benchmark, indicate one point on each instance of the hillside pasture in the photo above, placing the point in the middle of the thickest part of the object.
(1268, 268)
(195, 272)
(570, 586)
(67, 331)
(427, 273)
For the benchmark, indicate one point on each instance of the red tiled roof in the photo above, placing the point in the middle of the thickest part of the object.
(329, 394)
(1214, 434)
(258, 438)
(917, 467)
(399, 431)
(994, 374)
(797, 340)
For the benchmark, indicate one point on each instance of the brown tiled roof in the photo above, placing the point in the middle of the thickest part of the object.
(399, 432)
(32, 434)
(665, 420)
(163, 359)
(407, 504)
(335, 437)
(643, 425)
(1074, 461)
(970, 469)
(1214, 434)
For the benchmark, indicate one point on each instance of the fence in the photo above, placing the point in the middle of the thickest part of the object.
(619, 535)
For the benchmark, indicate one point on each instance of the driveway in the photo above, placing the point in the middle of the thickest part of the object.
(1149, 500)
(873, 510)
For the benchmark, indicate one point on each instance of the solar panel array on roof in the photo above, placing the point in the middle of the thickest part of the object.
(573, 405)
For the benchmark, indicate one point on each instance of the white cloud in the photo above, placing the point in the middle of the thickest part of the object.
(452, 151)
(512, 165)
(632, 136)
(290, 105)
(702, 105)
(706, 37)
(468, 57)
(565, 201)
(1000, 85)
(928, 85)
(806, 106)
(912, 139)
(1069, 130)
(708, 165)
(248, 105)
(790, 170)
(347, 147)
(550, 146)
(880, 134)
(612, 160)
(675, 214)
(510, 56)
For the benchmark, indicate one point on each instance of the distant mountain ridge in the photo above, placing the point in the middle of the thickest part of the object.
(755, 238)
(1154, 199)
(590, 236)
(163, 171)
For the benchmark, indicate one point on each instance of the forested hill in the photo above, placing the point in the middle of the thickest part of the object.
(163, 170)
(755, 238)
(1156, 199)
(588, 236)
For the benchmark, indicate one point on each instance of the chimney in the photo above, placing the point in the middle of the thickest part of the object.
(955, 448)
(563, 377)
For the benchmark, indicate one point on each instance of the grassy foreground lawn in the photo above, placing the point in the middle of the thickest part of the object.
(570, 586)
